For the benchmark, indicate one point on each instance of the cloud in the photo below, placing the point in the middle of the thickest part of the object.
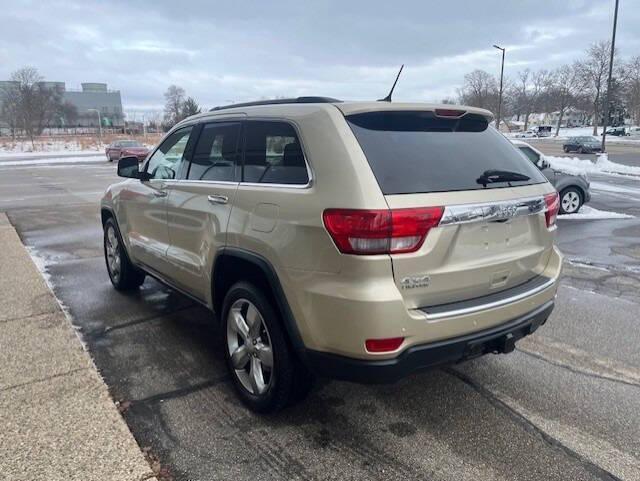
(235, 51)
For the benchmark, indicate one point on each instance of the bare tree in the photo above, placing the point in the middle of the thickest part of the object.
(595, 69)
(480, 89)
(565, 86)
(10, 108)
(174, 104)
(631, 79)
(528, 93)
(37, 104)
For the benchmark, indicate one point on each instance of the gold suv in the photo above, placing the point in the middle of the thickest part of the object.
(356, 240)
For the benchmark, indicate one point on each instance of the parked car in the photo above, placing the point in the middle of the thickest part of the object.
(618, 132)
(573, 189)
(361, 241)
(583, 145)
(525, 135)
(126, 148)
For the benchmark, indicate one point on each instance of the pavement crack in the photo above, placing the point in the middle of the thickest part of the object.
(142, 320)
(577, 370)
(182, 391)
(48, 378)
(530, 427)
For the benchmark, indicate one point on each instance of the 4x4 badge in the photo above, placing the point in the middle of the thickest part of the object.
(415, 281)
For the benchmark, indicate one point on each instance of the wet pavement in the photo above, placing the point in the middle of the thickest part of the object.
(563, 406)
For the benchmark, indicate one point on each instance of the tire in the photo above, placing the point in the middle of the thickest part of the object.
(267, 376)
(571, 199)
(566, 149)
(580, 150)
(123, 274)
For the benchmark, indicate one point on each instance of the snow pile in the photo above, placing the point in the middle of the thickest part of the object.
(576, 166)
(589, 213)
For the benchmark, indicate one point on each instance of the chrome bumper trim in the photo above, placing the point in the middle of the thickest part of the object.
(489, 305)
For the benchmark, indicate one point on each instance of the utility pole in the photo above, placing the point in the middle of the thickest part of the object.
(606, 107)
(99, 123)
(501, 78)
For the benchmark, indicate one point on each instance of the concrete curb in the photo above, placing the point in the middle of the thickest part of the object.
(58, 419)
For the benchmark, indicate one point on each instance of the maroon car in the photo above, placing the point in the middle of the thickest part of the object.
(126, 148)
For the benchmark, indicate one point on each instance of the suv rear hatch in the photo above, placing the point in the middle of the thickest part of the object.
(493, 233)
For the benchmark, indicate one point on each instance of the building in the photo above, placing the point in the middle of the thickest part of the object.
(96, 96)
(92, 97)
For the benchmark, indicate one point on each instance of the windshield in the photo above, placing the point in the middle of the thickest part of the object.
(418, 152)
(130, 143)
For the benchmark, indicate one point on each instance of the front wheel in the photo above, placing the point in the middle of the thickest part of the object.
(566, 149)
(570, 200)
(265, 371)
(123, 274)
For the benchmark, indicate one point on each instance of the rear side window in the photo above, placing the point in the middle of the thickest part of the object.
(530, 153)
(419, 152)
(273, 154)
(217, 153)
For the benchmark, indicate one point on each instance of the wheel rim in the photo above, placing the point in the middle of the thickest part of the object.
(249, 347)
(114, 260)
(570, 201)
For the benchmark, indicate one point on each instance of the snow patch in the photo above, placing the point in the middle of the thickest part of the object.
(589, 213)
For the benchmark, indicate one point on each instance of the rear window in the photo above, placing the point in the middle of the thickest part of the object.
(418, 152)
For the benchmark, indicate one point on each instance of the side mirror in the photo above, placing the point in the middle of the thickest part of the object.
(544, 164)
(128, 167)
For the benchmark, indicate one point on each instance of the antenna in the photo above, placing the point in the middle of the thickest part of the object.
(388, 97)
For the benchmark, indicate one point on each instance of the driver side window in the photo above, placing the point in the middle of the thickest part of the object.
(165, 162)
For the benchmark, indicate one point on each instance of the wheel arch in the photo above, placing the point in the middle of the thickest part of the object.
(234, 264)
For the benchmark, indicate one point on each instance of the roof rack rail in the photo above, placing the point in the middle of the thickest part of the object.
(298, 100)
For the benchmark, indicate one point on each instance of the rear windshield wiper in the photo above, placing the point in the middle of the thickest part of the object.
(493, 176)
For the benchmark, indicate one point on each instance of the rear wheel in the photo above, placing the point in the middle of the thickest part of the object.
(123, 274)
(566, 149)
(265, 372)
(580, 150)
(570, 200)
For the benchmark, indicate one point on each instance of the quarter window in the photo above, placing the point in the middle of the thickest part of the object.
(165, 161)
(273, 154)
(216, 155)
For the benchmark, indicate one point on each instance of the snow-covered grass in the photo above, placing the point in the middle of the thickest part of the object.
(602, 165)
(589, 213)
(70, 143)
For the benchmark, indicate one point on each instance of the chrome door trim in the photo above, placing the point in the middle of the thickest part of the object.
(492, 211)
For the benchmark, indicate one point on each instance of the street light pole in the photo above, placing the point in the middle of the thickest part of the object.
(613, 49)
(99, 123)
(501, 78)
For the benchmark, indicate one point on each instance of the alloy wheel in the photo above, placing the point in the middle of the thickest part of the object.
(114, 259)
(570, 202)
(249, 347)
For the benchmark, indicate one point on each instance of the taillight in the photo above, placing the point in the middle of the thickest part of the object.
(383, 345)
(362, 232)
(553, 205)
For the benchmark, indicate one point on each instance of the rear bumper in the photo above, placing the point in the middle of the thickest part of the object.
(499, 339)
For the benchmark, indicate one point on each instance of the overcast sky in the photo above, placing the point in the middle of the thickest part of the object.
(222, 51)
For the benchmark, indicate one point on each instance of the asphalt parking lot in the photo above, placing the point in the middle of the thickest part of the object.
(563, 406)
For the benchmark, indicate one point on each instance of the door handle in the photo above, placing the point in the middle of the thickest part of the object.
(218, 199)
(159, 193)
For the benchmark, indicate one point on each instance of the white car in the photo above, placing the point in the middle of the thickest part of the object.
(525, 135)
